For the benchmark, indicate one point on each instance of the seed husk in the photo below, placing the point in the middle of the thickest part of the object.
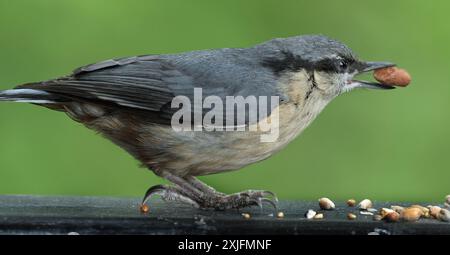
(425, 210)
(365, 213)
(365, 204)
(385, 211)
(246, 216)
(351, 216)
(318, 216)
(144, 208)
(444, 215)
(392, 216)
(397, 208)
(310, 214)
(280, 215)
(351, 202)
(326, 204)
(435, 211)
(411, 214)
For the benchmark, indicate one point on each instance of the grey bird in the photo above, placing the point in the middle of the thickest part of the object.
(128, 101)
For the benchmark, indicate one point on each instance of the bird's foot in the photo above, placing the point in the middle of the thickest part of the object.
(218, 201)
(192, 191)
(221, 201)
(240, 200)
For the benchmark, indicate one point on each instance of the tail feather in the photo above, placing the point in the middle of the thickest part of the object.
(28, 96)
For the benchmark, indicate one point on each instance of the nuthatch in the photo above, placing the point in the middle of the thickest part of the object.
(129, 101)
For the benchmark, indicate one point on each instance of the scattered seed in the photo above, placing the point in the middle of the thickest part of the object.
(444, 215)
(326, 204)
(366, 213)
(280, 215)
(425, 210)
(385, 211)
(365, 204)
(246, 216)
(351, 216)
(397, 208)
(351, 202)
(318, 216)
(145, 208)
(435, 211)
(372, 210)
(392, 216)
(411, 214)
(310, 214)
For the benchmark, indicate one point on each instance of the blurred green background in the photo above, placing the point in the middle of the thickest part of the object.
(389, 145)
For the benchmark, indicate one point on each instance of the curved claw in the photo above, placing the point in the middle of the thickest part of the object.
(157, 189)
(260, 200)
(168, 193)
(270, 193)
(272, 203)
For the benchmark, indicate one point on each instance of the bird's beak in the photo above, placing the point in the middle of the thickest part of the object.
(363, 67)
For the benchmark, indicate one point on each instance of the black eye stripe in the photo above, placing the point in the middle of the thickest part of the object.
(337, 65)
(290, 62)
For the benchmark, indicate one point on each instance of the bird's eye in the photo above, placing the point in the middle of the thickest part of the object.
(343, 64)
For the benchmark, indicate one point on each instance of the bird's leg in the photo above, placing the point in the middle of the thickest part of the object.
(194, 192)
(189, 188)
(203, 186)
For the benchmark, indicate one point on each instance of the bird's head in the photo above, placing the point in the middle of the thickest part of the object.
(328, 64)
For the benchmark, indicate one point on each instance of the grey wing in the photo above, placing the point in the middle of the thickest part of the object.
(151, 82)
(134, 82)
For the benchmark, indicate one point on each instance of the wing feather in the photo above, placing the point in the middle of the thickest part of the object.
(151, 82)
